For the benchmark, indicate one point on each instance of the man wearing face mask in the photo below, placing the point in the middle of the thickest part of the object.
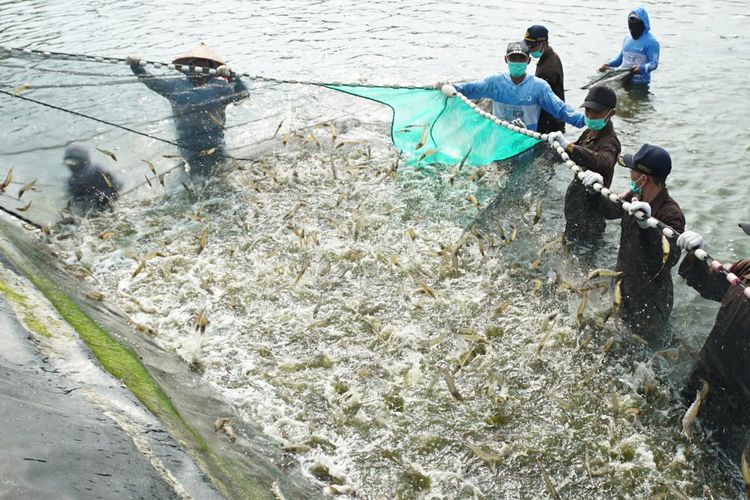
(549, 68)
(199, 103)
(518, 97)
(647, 291)
(640, 49)
(596, 150)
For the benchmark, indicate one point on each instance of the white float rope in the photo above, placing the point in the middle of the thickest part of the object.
(184, 68)
(449, 90)
(667, 231)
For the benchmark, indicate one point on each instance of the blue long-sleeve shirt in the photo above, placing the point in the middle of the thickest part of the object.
(525, 100)
(200, 112)
(642, 52)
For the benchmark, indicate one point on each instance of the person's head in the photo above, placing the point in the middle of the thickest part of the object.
(537, 38)
(517, 57)
(636, 26)
(76, 158)
(202, 57)
(599, 107)
(649, 169)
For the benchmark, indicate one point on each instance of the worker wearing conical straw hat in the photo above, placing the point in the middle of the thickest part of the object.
(199, 102)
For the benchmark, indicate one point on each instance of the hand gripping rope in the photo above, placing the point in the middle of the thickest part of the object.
(449, 91)
(725, 269)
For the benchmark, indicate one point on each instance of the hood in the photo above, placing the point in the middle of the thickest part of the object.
(200, 52)
(79, 154)
(643, 16)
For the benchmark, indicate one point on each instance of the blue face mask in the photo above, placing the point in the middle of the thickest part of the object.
(517, 69)
(536, 54)
(595, 123)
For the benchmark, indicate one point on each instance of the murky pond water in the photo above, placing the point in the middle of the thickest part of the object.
(340, 322)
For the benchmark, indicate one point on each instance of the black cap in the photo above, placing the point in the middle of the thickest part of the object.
(651, 160)
(600, 98)
(536, 34)
(517, 48)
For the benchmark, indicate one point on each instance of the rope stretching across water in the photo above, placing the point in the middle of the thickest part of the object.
(576, 169)
(652, 222)
(185, 68)
(111, 124)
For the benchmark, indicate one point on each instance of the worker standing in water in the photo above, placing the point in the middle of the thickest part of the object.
(199, 103)
(640, 49)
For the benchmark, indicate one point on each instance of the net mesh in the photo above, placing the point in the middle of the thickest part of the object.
(430, 128)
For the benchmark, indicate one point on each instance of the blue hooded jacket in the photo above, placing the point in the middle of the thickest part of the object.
(643, 52)
(525, 100)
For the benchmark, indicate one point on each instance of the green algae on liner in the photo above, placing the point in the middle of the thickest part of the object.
(122, 363)
(28, 315)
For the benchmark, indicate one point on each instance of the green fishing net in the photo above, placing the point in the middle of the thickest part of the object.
(432, 129)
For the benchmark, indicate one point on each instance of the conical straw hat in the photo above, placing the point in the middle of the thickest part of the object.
(200, 52)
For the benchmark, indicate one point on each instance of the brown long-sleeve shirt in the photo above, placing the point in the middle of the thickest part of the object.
(549, 68)
(724, 360)
(647, 289)
(597, 151)
(726, 352)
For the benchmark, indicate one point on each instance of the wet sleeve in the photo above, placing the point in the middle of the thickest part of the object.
(477, 90)
(652, 55)
(741, 268)
(240, 90)
(558, 109)
(611, 210)
(162, 86)
(698, 275)
(600, 160)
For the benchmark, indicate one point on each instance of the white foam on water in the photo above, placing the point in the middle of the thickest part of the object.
(339, 345)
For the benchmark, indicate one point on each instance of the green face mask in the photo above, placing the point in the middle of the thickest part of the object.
(634, 187)
(536, 54)
(517, 69)
(595, 123)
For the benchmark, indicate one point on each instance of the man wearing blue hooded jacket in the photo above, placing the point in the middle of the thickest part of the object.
(640, 49)
(518, 97)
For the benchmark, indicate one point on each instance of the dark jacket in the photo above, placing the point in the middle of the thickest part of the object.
(647, 290)
(200, 112)
(549, 68)
(90, 186)
(724, 360)
(584, 216)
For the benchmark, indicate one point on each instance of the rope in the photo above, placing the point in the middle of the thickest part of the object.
(21, 217)
(667, 231)
(124, 81)
(105, 122)
(186, 68)
(65, 72)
